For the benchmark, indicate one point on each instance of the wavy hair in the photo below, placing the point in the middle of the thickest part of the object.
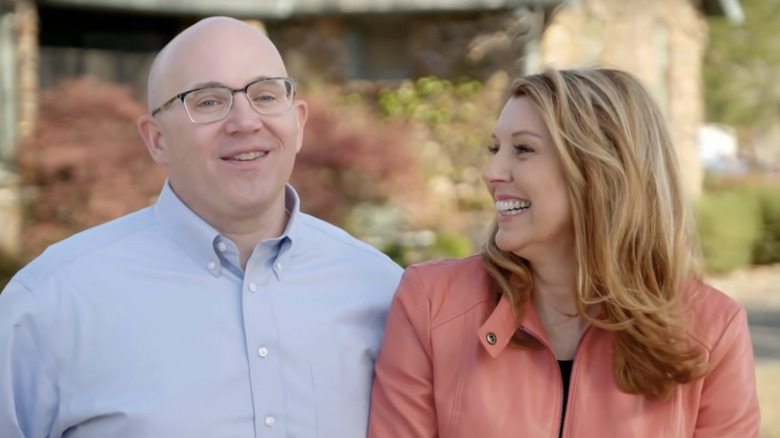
(634, 243)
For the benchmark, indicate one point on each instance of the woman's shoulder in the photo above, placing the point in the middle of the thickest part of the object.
(710, 312)
(451, 286)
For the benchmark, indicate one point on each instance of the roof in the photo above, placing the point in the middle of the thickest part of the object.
(279, 9)
(731, 9)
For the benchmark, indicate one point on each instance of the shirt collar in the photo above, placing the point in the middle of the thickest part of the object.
(199, 239)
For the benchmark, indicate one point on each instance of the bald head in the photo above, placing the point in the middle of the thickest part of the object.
(215, 49)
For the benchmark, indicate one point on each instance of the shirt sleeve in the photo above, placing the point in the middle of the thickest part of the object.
(402, 401)
(729, 401)
(27, 395)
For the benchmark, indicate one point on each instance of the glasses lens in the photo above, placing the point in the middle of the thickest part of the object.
(208, 104)
(271, 95)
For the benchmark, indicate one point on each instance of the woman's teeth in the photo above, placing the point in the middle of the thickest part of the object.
(512, 207)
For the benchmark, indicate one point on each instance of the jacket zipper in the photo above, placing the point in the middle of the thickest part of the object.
(571, 377)
(555, 362)
(560, 421)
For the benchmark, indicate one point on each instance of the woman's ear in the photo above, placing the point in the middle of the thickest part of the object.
(149, 129)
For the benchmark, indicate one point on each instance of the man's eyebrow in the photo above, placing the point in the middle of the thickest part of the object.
(220, 84)
(208, 84)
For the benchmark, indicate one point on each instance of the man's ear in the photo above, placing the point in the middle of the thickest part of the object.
(149, 129)
(301, 114)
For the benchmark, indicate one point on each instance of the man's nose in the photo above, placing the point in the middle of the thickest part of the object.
(242, 115)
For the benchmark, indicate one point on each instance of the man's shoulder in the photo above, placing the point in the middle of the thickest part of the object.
(339, 241)
(88, 244)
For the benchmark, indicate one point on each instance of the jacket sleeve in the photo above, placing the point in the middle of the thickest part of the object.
(729, 402)
(27, 395)
(402, 402)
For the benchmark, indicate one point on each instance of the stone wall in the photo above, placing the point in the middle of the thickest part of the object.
(26, 22)
(339, 49)
(24, 18)
(660, 41)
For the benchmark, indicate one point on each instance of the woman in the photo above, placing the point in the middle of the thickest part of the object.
(584, 315)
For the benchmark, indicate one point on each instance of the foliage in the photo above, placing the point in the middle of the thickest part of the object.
(453, 122)
(351, 157)
(728, 224)
(741, 67)
(445, 244)
(8, 267)
(739, 223)
(85, 164)
(767, 248)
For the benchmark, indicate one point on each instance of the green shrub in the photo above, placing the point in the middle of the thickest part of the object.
(729, 225)
(767, 246)
(8, 267)
(444, 245)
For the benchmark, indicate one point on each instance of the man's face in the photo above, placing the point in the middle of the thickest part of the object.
(236, 168)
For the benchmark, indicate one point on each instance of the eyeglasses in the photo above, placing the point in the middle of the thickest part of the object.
(210, 104)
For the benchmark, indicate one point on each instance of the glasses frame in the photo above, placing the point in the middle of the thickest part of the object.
(181, 96)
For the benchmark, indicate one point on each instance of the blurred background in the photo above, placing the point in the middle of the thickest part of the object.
(403, 95)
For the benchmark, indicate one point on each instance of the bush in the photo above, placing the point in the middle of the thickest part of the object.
(8, 267)
(767, 248)
(351, 157)
(728, 226)
(432, 246)
(86, 162)
(739, 223)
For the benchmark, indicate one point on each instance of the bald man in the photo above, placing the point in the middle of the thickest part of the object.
(220, 311)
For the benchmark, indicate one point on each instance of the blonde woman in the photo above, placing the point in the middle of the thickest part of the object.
(584, 315)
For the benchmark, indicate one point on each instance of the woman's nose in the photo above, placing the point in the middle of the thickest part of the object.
(496, 170)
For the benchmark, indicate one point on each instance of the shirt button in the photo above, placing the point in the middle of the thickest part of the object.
(212, 265)
(270, 421)
(262, 352)
(491, 338)
(221, 246)
(252, 287)
(278, 265)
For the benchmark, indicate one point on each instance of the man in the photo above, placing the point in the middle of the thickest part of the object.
(222, 310)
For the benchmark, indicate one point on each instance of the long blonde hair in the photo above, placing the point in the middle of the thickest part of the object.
(633, 228)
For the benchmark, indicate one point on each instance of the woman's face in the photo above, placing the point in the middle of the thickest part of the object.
(526, 180)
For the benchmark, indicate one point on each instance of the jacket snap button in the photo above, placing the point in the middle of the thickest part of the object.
(491, 338)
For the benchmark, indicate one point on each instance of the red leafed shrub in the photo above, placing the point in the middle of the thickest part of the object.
(86, 162)
(351, 156)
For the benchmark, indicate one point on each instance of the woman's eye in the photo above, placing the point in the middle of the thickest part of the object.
(523, 148)
(492, 148)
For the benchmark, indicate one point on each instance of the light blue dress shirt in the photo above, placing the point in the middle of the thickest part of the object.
(146, 327)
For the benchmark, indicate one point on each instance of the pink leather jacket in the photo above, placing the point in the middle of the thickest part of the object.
(446, 369)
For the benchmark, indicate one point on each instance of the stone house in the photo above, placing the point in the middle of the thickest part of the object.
(344, 41)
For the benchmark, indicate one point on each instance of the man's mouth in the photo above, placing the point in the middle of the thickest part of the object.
(248, 156)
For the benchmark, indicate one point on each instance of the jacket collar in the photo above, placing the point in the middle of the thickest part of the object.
(496, 332)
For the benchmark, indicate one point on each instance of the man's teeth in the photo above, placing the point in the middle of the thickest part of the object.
(249, 156)
(512, 206)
